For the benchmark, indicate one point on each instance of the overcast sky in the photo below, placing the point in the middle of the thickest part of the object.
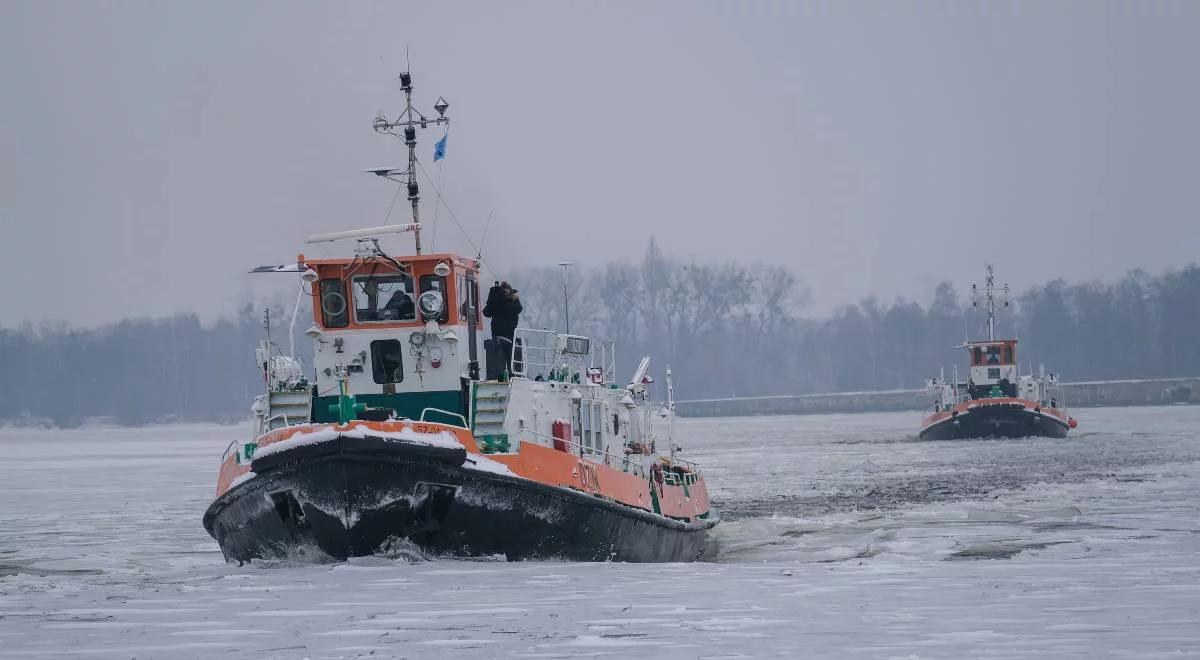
(150, 153)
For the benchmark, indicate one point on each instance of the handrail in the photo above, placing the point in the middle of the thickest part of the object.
(694, 467)
(448, 414)
(535, 354)
(541, 349)
(606, 354)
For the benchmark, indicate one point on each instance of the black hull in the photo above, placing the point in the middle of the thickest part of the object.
(353, 496)
(996, 421)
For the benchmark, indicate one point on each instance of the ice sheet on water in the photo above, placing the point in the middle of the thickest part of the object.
(1067, 514)
(869, 555)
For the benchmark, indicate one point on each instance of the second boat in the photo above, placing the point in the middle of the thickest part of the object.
(996, 400)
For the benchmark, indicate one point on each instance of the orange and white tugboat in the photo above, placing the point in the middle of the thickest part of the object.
(395, 438)
(996, 401)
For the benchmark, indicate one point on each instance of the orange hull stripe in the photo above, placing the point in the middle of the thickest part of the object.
(984, 403)
(230, 470)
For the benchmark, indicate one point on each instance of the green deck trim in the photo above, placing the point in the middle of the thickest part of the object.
(406, 404)
(491, 444)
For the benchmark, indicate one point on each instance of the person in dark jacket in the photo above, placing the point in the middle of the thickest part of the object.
(503, 307)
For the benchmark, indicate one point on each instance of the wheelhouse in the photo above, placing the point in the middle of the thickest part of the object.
(993, 368)
(404, 333)
(384, 293)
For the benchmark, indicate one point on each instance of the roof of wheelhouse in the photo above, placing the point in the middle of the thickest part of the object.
(457, 260)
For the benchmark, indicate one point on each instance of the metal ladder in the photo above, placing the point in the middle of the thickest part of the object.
(287, 408)
(487, 422)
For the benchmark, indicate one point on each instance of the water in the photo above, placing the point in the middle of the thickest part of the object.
(844, 537)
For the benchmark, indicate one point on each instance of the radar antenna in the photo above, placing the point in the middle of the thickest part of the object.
(405, 126)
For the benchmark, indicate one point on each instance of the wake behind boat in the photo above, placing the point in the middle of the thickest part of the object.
(996, 401)
(395, 437)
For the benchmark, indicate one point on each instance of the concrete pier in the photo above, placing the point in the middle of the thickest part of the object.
(1143, 392)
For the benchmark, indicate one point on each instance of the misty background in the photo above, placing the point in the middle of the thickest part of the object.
(726, 329)
(813, 173)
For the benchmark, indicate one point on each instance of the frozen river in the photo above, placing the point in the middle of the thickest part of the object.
(843, 537)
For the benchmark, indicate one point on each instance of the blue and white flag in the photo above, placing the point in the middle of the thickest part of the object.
(439, 148)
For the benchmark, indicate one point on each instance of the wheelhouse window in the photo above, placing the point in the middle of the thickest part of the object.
(387, 361)
(993, 355)
(437, 283)
(384, 299)
(335, 312)
(461, 293)
(977, 356)
(467, 294)
(1008, 354)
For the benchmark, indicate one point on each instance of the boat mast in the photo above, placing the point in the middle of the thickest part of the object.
(409, 120)
(991, 296)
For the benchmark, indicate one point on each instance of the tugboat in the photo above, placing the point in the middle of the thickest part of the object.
(395, 439)
(996, 401)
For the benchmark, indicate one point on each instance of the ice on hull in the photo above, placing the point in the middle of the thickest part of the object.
(996, 421)
(349, 496)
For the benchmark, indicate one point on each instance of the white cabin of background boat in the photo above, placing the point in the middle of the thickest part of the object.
(994, 371)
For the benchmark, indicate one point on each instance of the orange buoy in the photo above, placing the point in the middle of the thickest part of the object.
(1072, 423)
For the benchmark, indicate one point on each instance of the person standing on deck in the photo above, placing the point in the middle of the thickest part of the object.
(503, 307)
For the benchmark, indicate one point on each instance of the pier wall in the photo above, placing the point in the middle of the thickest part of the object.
(1146, 392)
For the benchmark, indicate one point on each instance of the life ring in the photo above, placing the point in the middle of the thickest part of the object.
(336, 296)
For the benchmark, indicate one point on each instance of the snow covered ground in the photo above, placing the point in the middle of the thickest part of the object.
(844, 537)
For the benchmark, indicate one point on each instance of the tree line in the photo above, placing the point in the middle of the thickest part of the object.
(726, 329)
(732, 329)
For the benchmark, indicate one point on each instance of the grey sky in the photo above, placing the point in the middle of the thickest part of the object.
(151, 152)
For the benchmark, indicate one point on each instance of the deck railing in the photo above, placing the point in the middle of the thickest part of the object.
(534, 353)
(690, 475)
(540, 352)
(608, 458)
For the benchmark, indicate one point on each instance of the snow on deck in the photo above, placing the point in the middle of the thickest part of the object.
(485, 464)
(443, 439)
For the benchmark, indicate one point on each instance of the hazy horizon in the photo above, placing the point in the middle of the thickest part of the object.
(153, 153)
